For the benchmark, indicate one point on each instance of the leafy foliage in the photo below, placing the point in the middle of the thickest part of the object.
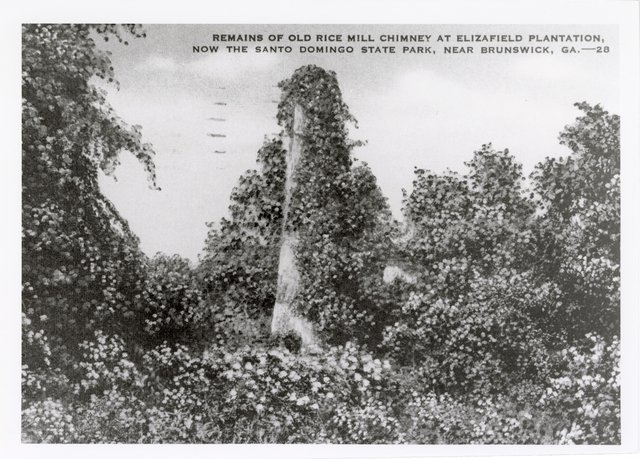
(172, 300)
(472, 317)
(249, 395)
(504, 330)
(484, 340)
(579, 243)
(586, 395)
(240, 264)
(81, 263)
(342, 219)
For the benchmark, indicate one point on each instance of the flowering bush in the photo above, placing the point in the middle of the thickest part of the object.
(266, 395)
(251, 395)
(587, 396)
(48, 421)
(485, 338)
(171, 300)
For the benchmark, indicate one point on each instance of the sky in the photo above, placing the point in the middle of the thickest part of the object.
(413, 110)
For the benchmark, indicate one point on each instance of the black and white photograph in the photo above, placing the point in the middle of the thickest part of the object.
(326, 234)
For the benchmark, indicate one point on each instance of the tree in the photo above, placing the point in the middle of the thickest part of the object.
(579, 228)
(460, 227)
(471, 318)
(81, 264)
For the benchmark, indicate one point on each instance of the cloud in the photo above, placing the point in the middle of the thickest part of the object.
(159, 63)
(219, 66)
(540, 67)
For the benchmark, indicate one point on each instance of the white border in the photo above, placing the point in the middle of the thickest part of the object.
(623, 13)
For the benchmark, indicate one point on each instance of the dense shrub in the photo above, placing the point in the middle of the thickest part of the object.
(172, 300)
(462, 226)
(475, 315)
(250, 395)
(487, 338)
(81, 265)
(239, 266)
(579, 231)
(586, 396)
